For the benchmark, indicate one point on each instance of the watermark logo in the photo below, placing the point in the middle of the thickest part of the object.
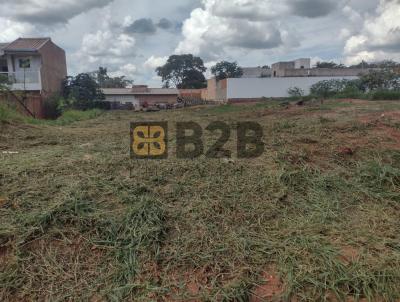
(149, 140)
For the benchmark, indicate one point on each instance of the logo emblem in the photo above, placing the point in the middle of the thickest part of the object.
(149, 140)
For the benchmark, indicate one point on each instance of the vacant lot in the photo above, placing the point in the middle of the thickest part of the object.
(315, 218)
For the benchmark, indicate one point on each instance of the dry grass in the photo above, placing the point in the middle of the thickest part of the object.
(307, 221)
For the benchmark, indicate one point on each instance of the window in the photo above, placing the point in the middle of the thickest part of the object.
(25, 63)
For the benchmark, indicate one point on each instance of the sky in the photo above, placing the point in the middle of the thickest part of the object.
(133, 37)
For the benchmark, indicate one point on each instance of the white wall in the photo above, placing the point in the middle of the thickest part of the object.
(245, 88)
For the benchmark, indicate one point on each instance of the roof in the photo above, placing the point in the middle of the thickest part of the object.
(26, 44)
(150, 91)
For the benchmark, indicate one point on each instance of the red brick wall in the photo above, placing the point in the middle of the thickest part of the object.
(33, 102)
(191, 93)
(54, 68)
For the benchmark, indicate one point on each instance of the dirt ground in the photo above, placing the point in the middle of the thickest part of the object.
(315, 218)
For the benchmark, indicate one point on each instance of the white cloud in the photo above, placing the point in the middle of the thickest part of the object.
(128, 70)
(106, 43)
(209, 35)
(212, 31)
(153, 62)
(379, 37)
(11, 30)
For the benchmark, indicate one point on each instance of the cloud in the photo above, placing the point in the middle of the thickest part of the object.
(379, 37)
(268, 9)
(109, 47)
(142, 26)
(48, 12)
(312, 8)
(241, 24)
(128, 70)
(153, 62)
(106, 43)
(164, 23)
(11, 29)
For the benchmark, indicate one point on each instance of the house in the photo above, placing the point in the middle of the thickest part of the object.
(139, 96)
(35, 66)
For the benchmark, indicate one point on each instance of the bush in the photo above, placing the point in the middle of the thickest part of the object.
(384, 79)
(385, 95)
(53, 107)
(331, 88)
(295, 92)
(351, 93)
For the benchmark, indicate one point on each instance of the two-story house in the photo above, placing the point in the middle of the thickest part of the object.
(34, 65)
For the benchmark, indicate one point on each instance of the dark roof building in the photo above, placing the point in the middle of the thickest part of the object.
(26, 45)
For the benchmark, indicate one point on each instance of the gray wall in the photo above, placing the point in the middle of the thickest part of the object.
(271, 87)
(324, 72)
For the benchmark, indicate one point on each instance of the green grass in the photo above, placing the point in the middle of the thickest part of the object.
(71, 116)
(93, 224)
(8, 114)
(385, 95)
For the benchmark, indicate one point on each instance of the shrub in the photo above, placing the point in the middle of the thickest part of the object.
(295, 92)
(332, 88)
(384, 79)
(53, 107)
(351, 93)
(385, 95)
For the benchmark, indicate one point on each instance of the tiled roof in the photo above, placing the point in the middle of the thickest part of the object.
(26, 44)
(151, 91)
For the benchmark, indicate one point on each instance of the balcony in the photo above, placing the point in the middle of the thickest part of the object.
(20, 80)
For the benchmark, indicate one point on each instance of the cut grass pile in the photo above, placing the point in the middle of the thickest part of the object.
(320, 221)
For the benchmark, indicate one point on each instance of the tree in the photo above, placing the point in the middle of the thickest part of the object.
(4, 83)
(82, 91)
(183, 71)
(381, 64)
(224, 70)
(381, 79)
(105, 81)
(329, 65)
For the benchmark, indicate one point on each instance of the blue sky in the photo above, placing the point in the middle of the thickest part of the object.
(132, 37)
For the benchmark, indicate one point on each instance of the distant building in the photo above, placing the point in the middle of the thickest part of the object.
(34, 66)
(278, 69)
(302, 68)
(256, 72)
(139, 96)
